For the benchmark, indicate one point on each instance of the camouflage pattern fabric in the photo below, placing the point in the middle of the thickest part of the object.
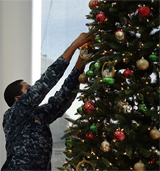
(26, 124)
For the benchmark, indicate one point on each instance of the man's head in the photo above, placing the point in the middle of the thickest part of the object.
(15, 90)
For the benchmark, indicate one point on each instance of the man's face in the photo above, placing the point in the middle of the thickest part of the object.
(25, 87)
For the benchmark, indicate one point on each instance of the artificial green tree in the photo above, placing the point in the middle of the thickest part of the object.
(118, 124)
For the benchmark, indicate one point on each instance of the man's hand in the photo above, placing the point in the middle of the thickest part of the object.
(81, 40)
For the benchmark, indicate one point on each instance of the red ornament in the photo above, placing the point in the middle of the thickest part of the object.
(100, 17)
(128, 73)
(144, 11)
(89, 106)
(153, 160)
(93, 4)
(119, 135)
(90, 136)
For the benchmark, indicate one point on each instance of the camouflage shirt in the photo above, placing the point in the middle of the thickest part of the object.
(26, 123)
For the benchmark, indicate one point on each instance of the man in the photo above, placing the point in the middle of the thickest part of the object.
(26, 125)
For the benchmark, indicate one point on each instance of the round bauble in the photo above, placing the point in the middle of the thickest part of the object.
(88, 107)
(90, 136)
(93, 3)
(119, 135)
(83, 78)
(91, 66)
(128, 73)
(139, 166)
(100, 17)
(97, 39)
(144, 11)
(142, 64)
(80, 110)
(105, 146)
(108, 80)
(97, 65)
(90, 73)
(119, 34)
(93, 128)
(143, 107)
(155, 133)
(153, 57)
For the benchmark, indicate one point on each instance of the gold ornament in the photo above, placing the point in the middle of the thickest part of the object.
(105, 146)
(127, 108)
(119, 35)
(124, 107)
(84, 52)
(142, 64)
(109, 72)
(83, 78)
(139, 166)
(82, 162)
(155, 133)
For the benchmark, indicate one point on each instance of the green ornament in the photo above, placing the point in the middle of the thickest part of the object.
(93, 128)
(97, 39)
(97, 65)
(80, 110)
(90, 73)
(143, 107)
(91, 67)
(68, 143)
(108, 80)
(153, 57)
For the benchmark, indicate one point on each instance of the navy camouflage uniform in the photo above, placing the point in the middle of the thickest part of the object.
(26, 125)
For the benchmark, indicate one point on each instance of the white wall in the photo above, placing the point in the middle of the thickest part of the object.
(20, 48)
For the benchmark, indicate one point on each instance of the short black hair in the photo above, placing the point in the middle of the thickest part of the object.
(12, 90)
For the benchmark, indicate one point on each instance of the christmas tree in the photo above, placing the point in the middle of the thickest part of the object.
(118, 124)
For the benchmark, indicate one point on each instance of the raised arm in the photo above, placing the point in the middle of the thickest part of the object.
(38, 91)
(62, 100)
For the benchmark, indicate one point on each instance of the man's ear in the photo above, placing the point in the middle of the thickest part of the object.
(17, 97)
